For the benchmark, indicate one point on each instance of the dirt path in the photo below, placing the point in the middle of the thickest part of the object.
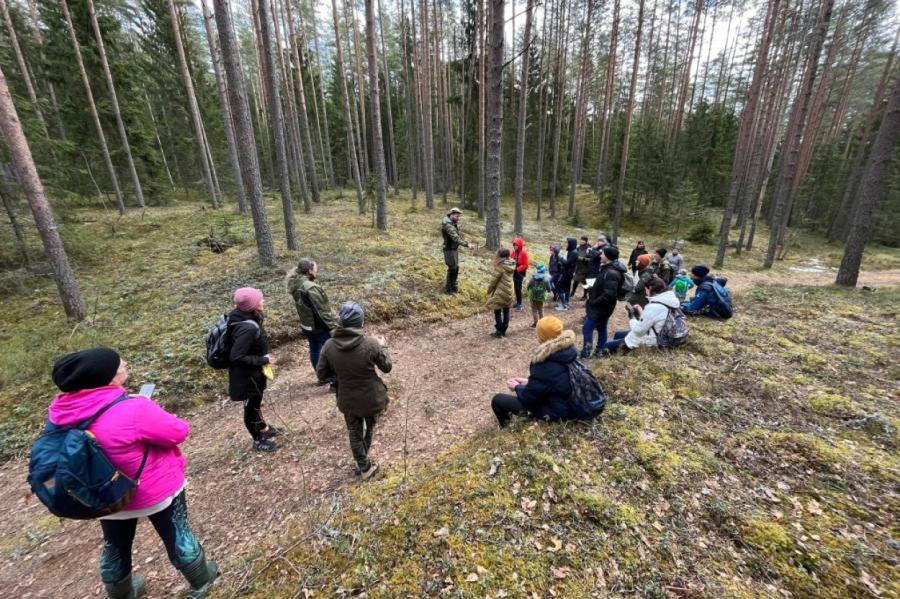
(241, 500)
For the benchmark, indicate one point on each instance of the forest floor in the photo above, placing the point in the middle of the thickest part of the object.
(759, 460)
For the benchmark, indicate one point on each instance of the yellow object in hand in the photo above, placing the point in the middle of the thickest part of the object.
(268, 372)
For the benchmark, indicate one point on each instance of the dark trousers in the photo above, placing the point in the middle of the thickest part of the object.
(501, 320)
(617, 344)
(360, 431)
(451, 259)
(317, 339)
(253, 418)
(505, 406)
(517, 285)
(590, 326)
(171, 525)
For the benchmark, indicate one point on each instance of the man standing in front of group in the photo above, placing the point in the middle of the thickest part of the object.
(452, 241)
(316, 317)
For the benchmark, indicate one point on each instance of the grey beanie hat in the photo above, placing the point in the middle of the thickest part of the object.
(351, 315)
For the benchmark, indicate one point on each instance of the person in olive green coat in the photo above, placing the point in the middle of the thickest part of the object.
(316, 317)
(351, 357)
(501, 295)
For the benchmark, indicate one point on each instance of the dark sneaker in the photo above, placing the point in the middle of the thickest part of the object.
(372, 471)
(271, 432)
(266, 445)
(496, 334)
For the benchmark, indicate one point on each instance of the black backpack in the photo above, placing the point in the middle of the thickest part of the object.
(588, 397)
(218, 343)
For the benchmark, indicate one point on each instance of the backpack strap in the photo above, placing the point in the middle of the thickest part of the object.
(83, 426)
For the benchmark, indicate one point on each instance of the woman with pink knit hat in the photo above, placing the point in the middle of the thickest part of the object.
(249, 353)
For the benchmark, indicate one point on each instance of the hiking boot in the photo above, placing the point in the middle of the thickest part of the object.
(266, 445)
(130, 587)
(586, 351)
(201, 575)
(496, 334)
(600, 354)
(271, 432)
(370, 472)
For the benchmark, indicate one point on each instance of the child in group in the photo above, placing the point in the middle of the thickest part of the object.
(682, 284)
(539, 287)
(501, 296)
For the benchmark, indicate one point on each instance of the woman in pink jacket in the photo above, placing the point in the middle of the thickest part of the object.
(127, 432)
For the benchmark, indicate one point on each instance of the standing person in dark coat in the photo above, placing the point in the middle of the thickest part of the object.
(452, 240)
(582, 262)
(555, 265)
(639, 250)
(602, 299)
(352, 357)
(249, 354)
(316, 316)
(661, 266)
(568, 274)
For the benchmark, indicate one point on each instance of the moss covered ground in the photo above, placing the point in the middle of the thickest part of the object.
(758, 461)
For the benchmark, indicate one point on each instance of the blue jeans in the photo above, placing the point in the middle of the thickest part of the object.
(617, 342)
(591, 325)
(316, 341)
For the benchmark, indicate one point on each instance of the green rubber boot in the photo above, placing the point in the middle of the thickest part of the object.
(200, 574)
(130, 587)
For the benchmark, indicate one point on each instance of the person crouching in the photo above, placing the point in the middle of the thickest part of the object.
(350, 356)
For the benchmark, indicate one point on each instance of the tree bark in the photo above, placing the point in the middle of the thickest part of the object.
(494, 100)
(523, 110)
(11, 128)
(686, 74)
(608, 98)
(123, 135)
(395, 176)
(243, 129)
(482, 109)
(377, 141)
(559, 111)
(345, 97)
(629, 114)
(18, 231)
(23, 68)
(51, 89)
(871, 190)
(425, 84)
(581, 109)
(329, 165)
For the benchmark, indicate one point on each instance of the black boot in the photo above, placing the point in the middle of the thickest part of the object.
(130, 587)
(586, 351)
(200, 574)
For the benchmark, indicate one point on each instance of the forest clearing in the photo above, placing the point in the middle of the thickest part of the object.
(248, 209)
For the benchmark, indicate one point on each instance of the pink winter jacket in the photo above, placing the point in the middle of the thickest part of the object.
(123, 431)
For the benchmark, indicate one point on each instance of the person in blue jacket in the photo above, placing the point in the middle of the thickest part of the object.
(547, 392)
(711, 298)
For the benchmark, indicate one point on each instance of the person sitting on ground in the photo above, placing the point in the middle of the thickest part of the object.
(520, 257)
(351, 356)
(638, 297)
(568, 273)
(137, 436)
(500, 292)
(538, 288)
(661, 266)
(316, 317)
(681, 285)
(582, 264)
(555, 266)
(645, 324)
(249, 354)
(639, 250)
(547, 393)
(604, 295)
(676, 260)
(711, 298)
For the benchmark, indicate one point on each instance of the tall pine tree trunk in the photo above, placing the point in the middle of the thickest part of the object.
(581, 109)
(559, 111)
(40, 207)
(482, 108)
(377, 141)
(425, 83)
(345, 97)
(329, 165)
(523, 111)
(243, 130)
(387, 102)
(494, 100)
(608, 98)
(23, 68)
(629, 114)
(123, 135)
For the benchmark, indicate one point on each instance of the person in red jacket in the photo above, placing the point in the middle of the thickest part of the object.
(520, 257)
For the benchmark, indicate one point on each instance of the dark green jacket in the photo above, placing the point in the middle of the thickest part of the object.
(351, 356)
(450, 233)
(311, 302)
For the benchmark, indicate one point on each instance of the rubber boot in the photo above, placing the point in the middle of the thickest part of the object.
(200, 574)
(130, 587)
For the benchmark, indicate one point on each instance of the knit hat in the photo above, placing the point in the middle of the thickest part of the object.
(549, 327)
(643, 261)
(541, 268)
(247, 299)
(661, 252)
(87, 369)
(700, 271)
(611, 252)
(351, 315)
(603, 238)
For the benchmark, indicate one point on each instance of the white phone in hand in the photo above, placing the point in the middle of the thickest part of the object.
(147, 390)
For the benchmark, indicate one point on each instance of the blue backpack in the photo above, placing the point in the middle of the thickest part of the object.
(724, 309)
(71, 475)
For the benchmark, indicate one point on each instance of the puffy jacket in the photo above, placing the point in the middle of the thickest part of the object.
(519, 256)
(500, 290)
(124, 431)
(249, 346)
(556, 263)
(450, 233)
(604, 294)
(548, 393)
(643, 330)
(311, 303)
(351, 357)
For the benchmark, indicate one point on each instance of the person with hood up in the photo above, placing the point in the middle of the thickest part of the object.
(711, 298)
(582, 265)
(539, 287)
(132, 432)
(520, 257)
(646, 322)
(639, 250)
(547, 393)
(249, 353)
(452, 240)
(602, 299)
(555, 265)
(311, 301)
(568, 274)
(351, 357)
(500, 292)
